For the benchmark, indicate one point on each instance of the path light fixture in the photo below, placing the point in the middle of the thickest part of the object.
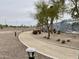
(75, 13)
(31, 53)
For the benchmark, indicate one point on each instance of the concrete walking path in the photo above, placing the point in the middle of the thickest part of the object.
(11, 47)
(49, 50)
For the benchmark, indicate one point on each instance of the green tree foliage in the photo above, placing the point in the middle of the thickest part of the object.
(54, 10)
(45, 11)
(42, 14)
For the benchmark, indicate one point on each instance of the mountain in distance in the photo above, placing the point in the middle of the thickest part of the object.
(67, 26)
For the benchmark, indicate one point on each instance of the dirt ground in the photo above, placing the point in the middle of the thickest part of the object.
(11, 47)
(74, 39)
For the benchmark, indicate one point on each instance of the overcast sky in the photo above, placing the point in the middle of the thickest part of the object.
(17, 11)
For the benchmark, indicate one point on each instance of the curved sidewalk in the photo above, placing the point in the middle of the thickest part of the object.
(49, 50)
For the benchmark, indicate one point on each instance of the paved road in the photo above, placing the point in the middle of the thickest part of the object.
(53, 51)
(10, 46)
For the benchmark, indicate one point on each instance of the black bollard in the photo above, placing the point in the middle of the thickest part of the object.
(15, 34)
(31, 53)
(31, 58)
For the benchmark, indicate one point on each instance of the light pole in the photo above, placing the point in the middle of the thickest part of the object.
(31, 53)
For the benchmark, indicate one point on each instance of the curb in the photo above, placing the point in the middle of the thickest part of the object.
(36, 50)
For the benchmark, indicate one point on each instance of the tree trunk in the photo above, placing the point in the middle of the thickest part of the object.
(42, 28)
(51, 25)
(48, 27)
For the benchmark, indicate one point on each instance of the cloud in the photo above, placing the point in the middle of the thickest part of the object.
(16, 8)
(13, 10)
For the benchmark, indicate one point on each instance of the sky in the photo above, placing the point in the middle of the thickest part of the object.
(18, 12)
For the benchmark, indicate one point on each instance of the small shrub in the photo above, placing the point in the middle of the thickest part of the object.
(58, 40)
(58, 32)
(44, 37)
(63, 41)
(34, 31)
(68, 40)
(1, 27)
(39, 31)
(54, 30)
(48, 38)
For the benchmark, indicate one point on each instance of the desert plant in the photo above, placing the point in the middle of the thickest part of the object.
(54, 31)
(39, 31)
(35, 32)
(58, 32)
(45, 11)
(1, 27)
(44, 37)
(68, 40)
(58, 40)
(63, 41)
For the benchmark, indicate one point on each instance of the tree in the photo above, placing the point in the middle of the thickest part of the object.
(75, 9)
(58, 6)
(44, 13)
(40, 19)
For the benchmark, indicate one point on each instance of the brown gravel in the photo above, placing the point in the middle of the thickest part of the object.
(12, 48)
(74, 39)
